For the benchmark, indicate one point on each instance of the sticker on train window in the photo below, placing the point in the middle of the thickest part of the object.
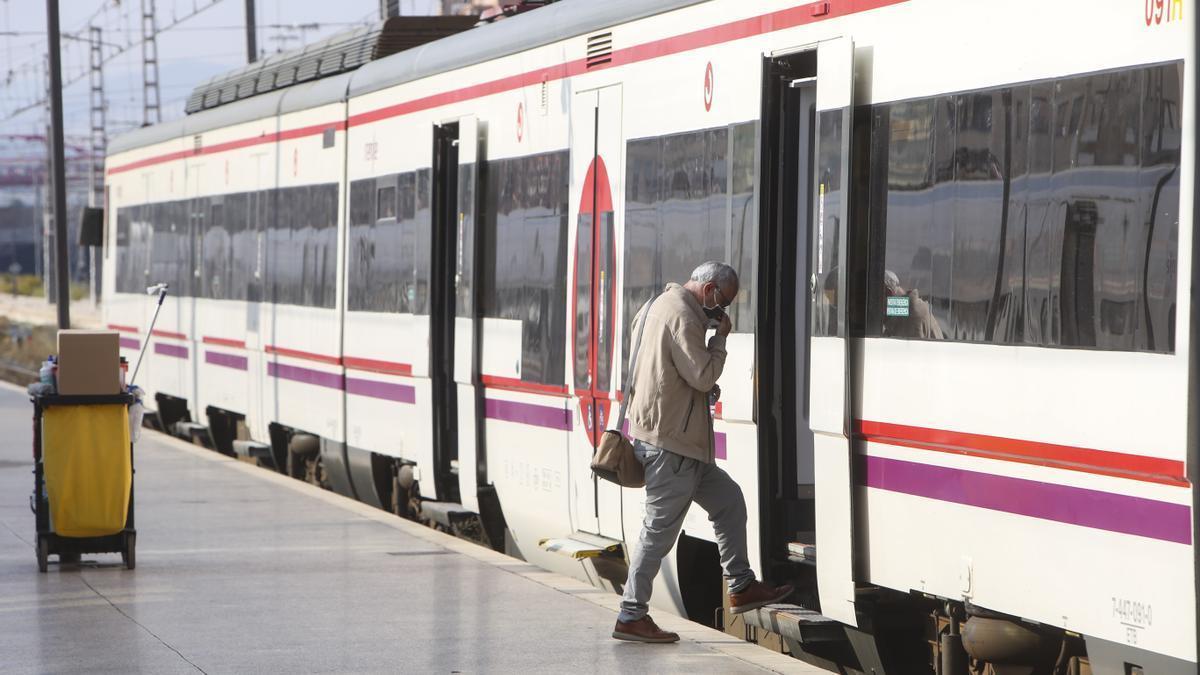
(897, 306)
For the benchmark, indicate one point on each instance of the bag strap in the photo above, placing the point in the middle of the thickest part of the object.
(627, 390)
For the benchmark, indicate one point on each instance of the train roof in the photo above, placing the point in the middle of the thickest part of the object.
(546, 25)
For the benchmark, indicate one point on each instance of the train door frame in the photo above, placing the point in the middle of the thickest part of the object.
(817, 379)
(442, 312)
(785, 509)
(830, 371)
(468, 331)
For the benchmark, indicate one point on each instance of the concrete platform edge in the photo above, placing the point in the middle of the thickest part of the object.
(688, 630)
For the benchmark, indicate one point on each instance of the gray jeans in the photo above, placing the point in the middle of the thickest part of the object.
(673, 482)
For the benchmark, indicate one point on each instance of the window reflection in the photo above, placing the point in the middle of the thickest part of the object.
(1036, 214)
(690, 197)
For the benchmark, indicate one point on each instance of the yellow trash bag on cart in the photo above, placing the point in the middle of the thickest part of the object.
(88, 468)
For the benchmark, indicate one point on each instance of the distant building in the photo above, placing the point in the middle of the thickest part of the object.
(19, 225)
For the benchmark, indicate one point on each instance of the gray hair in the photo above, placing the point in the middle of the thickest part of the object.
(891, 281)
(719, 273)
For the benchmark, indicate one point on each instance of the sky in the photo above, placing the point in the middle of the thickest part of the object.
(205, 45)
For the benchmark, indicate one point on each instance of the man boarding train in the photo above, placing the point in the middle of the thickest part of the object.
(674, 375)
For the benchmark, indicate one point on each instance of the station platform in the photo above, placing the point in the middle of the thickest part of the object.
(243, 570)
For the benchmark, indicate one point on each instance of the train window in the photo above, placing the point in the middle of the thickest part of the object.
(406, 290)
(124, 243)
(361, 256)
(827, 230)
(689, 197)
(1051, 217)
(385, 237)
(388, 259)
(464, 260)
(214, 265)
(422, 224)
(524, 257)
(743, 221)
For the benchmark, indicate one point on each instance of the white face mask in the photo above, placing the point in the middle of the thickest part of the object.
(715, 312)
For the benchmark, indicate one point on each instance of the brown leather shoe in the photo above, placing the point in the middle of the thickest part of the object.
(756, 595)
(643, 630)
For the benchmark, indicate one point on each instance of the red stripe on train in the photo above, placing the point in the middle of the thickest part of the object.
(123, 329)
(224, 342)
(168, 334)
(1087, 460)
(310, 356)
(512, 384)
(291, 134)
(377, 366)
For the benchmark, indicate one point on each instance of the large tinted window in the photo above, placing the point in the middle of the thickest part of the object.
(689, 198)
(1043, 213)
(388, 261)
(524, 257)
(233, 246)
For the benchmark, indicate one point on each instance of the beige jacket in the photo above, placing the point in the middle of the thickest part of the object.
(674, 372)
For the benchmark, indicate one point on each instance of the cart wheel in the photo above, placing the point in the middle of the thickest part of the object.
(43, 555)
(127, 556)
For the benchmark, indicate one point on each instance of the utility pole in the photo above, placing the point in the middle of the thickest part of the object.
(59, 168)
(99, 146)
(47, 232)
(251, 34)
(151, 112)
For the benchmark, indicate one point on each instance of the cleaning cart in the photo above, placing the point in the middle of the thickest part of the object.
(83, 476)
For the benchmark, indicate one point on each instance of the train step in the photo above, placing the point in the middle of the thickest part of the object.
(796, 622)
(194, 432)
(447, 514)
(252, 450)
(799, 552)
(582, 545)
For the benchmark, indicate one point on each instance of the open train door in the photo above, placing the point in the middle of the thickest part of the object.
(443, 317)
(829, 380)
(472, 462)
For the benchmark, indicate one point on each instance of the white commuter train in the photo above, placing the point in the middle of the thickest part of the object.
(423, 269)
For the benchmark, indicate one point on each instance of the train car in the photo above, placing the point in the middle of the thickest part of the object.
(959, 394)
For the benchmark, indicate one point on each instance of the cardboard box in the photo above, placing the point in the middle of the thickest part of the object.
(89, 362)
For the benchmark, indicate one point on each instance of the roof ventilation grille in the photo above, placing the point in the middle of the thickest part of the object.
(599, 49)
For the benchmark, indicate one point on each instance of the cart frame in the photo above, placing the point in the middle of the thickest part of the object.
(50, 543)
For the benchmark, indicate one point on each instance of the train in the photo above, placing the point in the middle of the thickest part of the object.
(960, 396)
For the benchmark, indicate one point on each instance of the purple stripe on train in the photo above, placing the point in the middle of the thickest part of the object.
(401, 393)
(226, 360)
(178, 351)
(1047, 501)
(305, 375)
(129, 343)
(528, 413)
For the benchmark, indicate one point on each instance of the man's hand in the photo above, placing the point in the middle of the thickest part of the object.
(725, 326)
(714, 394)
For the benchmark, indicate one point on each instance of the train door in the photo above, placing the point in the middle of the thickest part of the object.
(459, 464)
(472, 461)
(596, 179)
(829, 381)
(802, 346)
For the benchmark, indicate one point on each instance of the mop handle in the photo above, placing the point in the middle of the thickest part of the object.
(162, 294)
